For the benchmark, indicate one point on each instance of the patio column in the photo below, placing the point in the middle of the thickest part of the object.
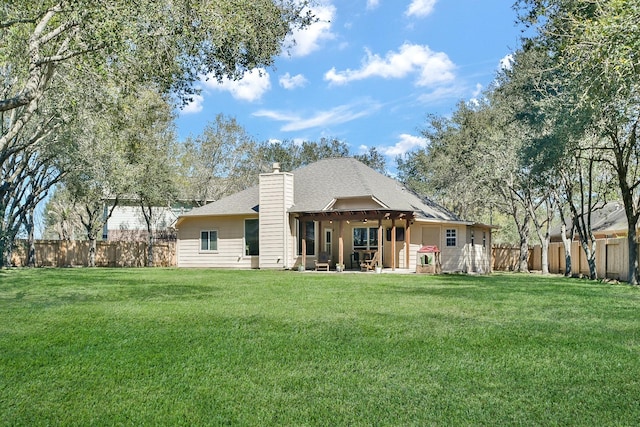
(341, 243)
(407, 243)
(393, 244)
(303, 226)
(380, 237)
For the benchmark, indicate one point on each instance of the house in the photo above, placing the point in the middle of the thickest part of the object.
(607, 221)
(127, 222)
(336, 206)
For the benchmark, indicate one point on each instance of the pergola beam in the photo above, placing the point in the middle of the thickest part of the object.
(355, 215)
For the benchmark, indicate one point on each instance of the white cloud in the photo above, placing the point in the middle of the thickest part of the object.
(250, 87)
(333, 116)
(289, 82)
(431, 67)
(478, 90)
(195, 106)
(404, 145)
(506, 63)
(420, 8)
(372, 4)
(476, 93)
(303, 42)
(443, 93)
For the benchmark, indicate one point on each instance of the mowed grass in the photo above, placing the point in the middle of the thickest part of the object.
(207, 347)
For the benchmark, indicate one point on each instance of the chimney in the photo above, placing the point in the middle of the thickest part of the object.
(275, 235)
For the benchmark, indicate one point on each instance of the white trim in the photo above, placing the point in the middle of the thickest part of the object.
(454, 236)
(328, 247)
(208, 251)
(336, 199)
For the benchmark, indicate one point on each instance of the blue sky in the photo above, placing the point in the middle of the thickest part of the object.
(368, 73)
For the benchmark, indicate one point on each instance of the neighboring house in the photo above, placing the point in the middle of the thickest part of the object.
(127, 221)
(608, 221)
(339, 206)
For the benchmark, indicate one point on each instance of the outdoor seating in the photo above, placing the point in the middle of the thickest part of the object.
(355, 258)
(369, 264)
(323, 262)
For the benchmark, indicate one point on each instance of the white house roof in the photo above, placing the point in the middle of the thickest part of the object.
(317, 187)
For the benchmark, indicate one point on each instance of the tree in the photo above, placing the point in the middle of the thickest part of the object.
(452, 168)
(218, 162)
(61, 218)
(292, 155)
(151, 153)
(373, 159)
(31, 176)
(96, 174)
(592, 41)
(49, 49)
(168, 45)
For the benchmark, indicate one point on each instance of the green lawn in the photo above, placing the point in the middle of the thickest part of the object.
(206, 347)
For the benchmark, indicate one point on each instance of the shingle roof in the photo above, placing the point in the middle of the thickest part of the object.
(318, 184)
(609, 218)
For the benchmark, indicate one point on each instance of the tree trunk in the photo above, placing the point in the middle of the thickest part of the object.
(589, 248)
(3, 247)
(92, 250)
(31, 247)
(150, 250)
(545, 256)
(523, 260)
(6, 251)
(593, 273)
(633, 255)
(9, 252)
(567, 250)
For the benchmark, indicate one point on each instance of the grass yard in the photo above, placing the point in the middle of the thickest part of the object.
(206, 347)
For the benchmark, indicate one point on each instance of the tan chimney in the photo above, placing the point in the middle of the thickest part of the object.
(275, 235)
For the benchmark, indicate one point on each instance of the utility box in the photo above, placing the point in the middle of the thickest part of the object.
(428, 260)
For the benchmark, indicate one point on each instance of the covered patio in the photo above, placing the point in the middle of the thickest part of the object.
(345, 221)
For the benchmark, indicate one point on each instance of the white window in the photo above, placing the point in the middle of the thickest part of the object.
(451, 237)
(209, 240)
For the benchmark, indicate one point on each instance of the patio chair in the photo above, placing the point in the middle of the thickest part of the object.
(323, 262)
(355, 258)
(369, 264)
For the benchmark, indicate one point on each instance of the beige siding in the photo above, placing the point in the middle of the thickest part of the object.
(230, 253)
(130, 218)
(356, 203)
(276, 197)
(464, 256)
(453, 257)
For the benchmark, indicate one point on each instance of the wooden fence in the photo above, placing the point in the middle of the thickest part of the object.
(611, 256)
(611, 259)
(60, 253)
(506, 257)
